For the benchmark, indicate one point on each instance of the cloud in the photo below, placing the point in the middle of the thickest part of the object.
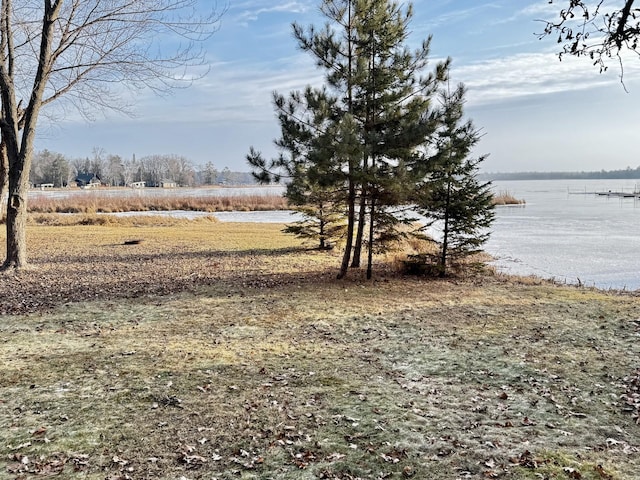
(431, 20)
(236, 91)
(251, 11)
(538, 9)
(528, 74)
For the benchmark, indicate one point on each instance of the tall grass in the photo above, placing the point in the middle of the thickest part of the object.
(54, 219)
(126, 203)
(506, 198)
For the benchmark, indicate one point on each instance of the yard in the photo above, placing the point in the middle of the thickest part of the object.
(204, 350)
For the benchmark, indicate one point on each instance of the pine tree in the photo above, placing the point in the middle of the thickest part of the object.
(322, 210)
(356, 133)
(451, 197)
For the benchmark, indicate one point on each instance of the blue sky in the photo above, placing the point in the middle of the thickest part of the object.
(535, 112)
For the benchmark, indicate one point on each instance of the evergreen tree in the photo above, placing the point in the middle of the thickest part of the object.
(373, 112)
(323, 215)
(451, 197)
(209, 174)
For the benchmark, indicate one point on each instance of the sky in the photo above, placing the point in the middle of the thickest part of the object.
(535, 113)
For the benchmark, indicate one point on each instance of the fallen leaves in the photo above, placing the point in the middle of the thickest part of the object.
(307, 379)
(69, 265)
(527, 460)
(189, 458)
(631, 396)
(51, 465)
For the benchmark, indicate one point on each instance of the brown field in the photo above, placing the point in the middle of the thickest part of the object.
(203, 350)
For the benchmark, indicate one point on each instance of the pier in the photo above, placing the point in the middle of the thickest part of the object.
(608, 193)
(619, 194)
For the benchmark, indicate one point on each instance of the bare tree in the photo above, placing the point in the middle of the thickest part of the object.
(97, 162)
(80, 165)
(596, 30)
(179, 169)
(129, 171)
(85, 52)
(152, 169)
(114, 170)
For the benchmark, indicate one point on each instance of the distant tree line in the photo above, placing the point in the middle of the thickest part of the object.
(627, 173)
(58, 170)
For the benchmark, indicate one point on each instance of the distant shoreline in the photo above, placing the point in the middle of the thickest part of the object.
(627, 174)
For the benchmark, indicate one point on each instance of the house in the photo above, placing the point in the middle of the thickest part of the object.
(168, 184)
(88, 180)
(137, 184)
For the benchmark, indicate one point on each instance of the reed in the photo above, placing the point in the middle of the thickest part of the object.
(133, 203)
(506, 198)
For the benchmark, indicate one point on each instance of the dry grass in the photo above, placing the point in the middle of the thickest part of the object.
(506, 198)
(54, 219)
(225, 351)
(95, 202)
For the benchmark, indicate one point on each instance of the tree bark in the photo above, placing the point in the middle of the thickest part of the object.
(362, 218)
(17, 223)
(372, 217)
(445, 234)
(4, 179)
(621, 34)
(351, 220)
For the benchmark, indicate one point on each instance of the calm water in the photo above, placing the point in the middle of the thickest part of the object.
(567, 236)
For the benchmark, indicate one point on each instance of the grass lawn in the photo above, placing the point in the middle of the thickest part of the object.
(226, 351)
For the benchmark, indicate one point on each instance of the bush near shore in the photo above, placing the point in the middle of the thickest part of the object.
(506, 198)
(216, 350)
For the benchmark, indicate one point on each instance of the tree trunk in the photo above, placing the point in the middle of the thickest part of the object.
(351, 220)
(445, 233)
(16, 225)
(362, 218)
(372, 217)
(322, 233)
(4, 179)
(19, 148)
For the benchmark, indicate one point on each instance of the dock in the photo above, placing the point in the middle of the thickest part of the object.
(618, 194)
(608, 193)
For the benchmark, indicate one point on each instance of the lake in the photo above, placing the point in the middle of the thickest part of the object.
(568, 234)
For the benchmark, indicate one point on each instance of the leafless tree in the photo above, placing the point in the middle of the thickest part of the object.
(4, 178)
(152, 169)
(597, 30)
(85, 52)
(113, 173)
(129, 171)
(180, 170)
